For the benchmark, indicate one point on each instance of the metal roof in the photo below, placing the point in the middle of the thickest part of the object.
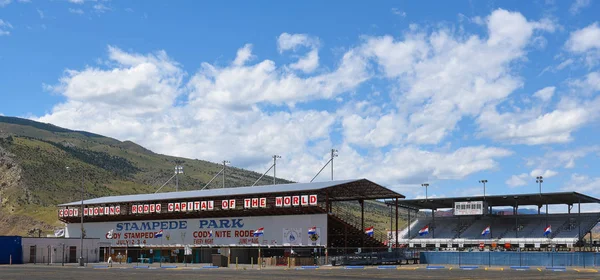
(502, 200)
(337, 190)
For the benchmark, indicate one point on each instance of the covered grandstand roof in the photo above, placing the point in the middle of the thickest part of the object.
(336, 190)
(501, 200)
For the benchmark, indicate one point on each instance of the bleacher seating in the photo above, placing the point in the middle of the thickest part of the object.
(527, 226)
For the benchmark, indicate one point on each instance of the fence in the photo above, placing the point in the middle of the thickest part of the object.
(583, 259)
(58, 255)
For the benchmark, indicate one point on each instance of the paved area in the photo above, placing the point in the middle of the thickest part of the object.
(100, 272)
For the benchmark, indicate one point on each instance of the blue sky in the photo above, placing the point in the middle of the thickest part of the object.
(409, 92)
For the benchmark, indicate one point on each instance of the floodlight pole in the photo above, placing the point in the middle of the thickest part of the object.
(178, 170)
(483, 182)
(225, 162)
(81, 213)
(275, 157)
(425, 185)
(539, 180)
(333, 154)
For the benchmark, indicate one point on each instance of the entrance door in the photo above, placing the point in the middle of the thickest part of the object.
(73, 254)
(32, 250)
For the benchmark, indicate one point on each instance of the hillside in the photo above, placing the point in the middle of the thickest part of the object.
(34, 178)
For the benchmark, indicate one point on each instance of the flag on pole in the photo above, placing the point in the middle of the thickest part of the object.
(369, 231)
(548, 230)
(109, 234)
(59, 232)
(486, 231)
(210, 233)
(424, 230)
(158, 234)
(259, 232)
(312, 230)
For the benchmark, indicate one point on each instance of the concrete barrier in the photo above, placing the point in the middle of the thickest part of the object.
(354, 267)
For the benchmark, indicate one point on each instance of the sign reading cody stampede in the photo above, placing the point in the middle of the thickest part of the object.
(189, 206)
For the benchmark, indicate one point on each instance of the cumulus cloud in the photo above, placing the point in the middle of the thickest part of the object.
(308, 63)
(524, 179)
(76, 1)
(246, 110)
(518, 180)
(562, 159)
(545, 94)
(586, 41)
(583, 184)
(4, 3)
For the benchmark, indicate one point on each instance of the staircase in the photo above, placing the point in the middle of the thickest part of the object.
(347, 228)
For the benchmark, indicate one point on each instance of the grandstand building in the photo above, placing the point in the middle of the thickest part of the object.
(236, 222)
(473, 222)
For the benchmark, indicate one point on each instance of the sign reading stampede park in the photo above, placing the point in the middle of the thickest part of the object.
(290, 230)
(189, 206)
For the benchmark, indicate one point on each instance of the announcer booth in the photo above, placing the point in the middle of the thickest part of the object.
(240, 224)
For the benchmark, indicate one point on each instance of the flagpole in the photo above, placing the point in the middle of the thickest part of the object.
(161, 245)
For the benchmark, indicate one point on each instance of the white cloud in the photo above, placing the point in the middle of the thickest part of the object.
(243, 86)
(518, 180)
(307, 64)
(286, 41)
(562, 159)
(76, 1)
(544, 173)
(589, 84)
(578, 5)
(101, 8)
(443, 77)
(4, 26)
(586, 41)
(524, 179)
(152, 82)
(243, 55)
(398, 12)
(24, 1)
(4, 3)
(583, 184)
(545, 94)
(534, 126)
(134, 99)
(76, 11)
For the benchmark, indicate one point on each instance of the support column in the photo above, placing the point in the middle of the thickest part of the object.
(579, 217)
(409, 222)
(362, 220)
(433, 222)
(396, 222)
(516, 212)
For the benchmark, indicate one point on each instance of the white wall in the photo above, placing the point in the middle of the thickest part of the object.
(55, 246)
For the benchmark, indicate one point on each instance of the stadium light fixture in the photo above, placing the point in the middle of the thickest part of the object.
(225, 162)
(539, 180)
(334, 153)
(425, 185)
(178, 170)
(483, 182)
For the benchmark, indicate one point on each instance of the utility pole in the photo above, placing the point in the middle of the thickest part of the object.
(225, 162)
(275, 157)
